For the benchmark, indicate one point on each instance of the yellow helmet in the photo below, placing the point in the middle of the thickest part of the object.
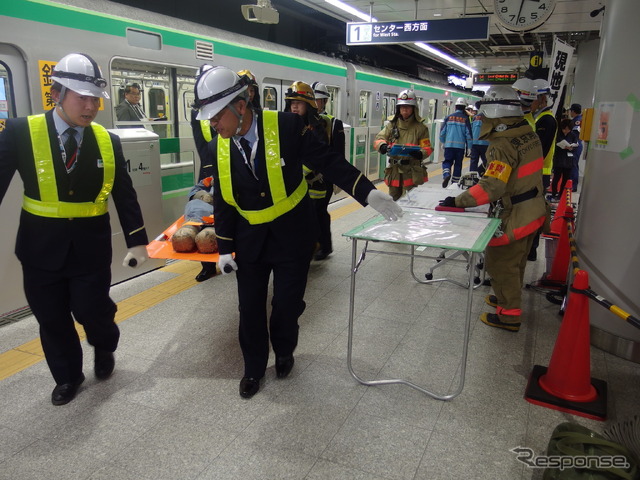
(301, 91)
(248, 73)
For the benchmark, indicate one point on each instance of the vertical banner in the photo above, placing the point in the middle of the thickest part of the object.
(558, 70)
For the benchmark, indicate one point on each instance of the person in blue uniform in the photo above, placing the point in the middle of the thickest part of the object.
(264, 214)
(456, 137)
(70, 167)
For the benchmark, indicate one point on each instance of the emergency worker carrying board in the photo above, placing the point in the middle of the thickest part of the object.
(513, 186)
(70, 166)
(405, 127)
(264, 213)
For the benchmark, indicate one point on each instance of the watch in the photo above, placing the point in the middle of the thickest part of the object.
(523, 15)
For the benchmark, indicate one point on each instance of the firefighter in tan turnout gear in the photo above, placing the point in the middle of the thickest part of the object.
(405, 127)
(513, 186)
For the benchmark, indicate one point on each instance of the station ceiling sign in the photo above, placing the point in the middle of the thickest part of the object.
(447, 30)
(500, 78)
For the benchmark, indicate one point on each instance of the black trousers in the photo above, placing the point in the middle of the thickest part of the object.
(287, 304)
(79, 291)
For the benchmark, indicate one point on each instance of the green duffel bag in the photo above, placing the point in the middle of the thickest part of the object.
(582, 454)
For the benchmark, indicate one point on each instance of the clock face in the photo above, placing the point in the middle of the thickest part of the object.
(522, 15)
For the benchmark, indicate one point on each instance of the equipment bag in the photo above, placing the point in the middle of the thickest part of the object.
(588, 455)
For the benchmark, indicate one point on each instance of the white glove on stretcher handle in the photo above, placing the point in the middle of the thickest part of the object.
(227, 264)
(135, 256)
(384, 204)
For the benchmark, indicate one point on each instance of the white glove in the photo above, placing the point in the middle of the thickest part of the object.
(136, 256)
(227, 264)
(384, 204)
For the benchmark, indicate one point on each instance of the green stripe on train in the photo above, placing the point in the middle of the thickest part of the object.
(68, 16)
(169, 145)
(177, 182)
(370, 77)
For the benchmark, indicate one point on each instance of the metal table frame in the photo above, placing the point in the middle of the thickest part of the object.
(479, 243)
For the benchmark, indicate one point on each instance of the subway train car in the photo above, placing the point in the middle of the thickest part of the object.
(162, 55)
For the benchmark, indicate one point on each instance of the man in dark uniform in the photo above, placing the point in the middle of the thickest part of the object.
(69, 167)
(264, 214)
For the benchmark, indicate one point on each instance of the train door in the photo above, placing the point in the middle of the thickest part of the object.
(166, 106)
(273, 93)
(14, 102)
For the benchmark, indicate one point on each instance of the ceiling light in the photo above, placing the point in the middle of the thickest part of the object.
(424, 46)
(351, 10)
(444, 56)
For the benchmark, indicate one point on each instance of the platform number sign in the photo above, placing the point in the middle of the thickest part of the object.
(360, 33)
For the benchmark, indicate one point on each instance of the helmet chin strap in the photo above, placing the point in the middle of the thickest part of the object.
(61, 111)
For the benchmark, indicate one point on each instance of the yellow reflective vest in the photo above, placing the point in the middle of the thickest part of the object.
(281, 202)
(49, 204)
(548, 159)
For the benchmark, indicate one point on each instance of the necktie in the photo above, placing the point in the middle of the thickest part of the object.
(70, 149)
(139, 111)
(246, 147)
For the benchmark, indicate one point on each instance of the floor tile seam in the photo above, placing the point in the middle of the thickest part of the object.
(5, 373)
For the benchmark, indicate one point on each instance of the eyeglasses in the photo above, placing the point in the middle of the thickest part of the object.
(135, 94)
(217, 117)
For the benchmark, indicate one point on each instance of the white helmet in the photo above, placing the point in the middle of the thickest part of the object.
(320, 90)
(461, 101)
(203, 68)
(500, 101)
(541, 86)
(216, 88)
(407, 97)
(526, 90)
(80, 73)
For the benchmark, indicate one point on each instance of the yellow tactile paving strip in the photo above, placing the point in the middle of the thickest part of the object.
(30, 353)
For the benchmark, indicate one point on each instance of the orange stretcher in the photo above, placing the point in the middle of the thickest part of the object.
(162, 247)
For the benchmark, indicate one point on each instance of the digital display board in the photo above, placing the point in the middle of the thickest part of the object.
(447, 30)
(503, 78)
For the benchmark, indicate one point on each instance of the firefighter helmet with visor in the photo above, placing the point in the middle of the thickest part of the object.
(407, 97)
(500, 101)
(300, 91)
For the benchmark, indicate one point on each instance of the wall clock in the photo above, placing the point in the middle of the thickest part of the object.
(523, 15)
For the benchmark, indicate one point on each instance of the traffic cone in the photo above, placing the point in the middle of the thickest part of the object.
(565, 200)
(560, 266)
(566, 385)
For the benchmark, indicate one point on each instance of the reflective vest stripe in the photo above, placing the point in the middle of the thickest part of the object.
(281, 202)
(480, 195)
(548, 160)
(50, 205)
(530, 168)
(206, 130)
(529, 118)
(518, 233)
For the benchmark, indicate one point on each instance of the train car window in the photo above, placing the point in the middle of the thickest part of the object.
(385, 110)
(332, 104)
(365, 99)
(432, 108)
(144, 39)
(269, 98)
(7, 109)
(157, 100)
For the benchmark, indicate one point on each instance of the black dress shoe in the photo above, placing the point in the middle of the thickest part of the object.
(322, 254)
(284, 366)
(208, 270)
(66, 392)
(249, 387)
(104, 363)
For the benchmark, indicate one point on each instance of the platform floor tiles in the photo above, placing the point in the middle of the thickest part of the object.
(172, 410)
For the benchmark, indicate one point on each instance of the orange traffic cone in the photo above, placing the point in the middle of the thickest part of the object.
(565, 200)
(566, 385)
(560, 266)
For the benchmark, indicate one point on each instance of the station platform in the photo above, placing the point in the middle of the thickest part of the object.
(172, 411)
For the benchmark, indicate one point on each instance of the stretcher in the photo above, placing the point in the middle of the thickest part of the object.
(161, 246)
